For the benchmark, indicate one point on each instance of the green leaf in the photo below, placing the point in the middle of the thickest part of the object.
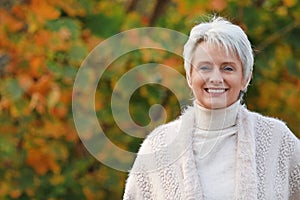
(61, 71)
(104, 26)
(70, 24)
(55, 68)
(14, 89)
(77, 53)
(293, 67)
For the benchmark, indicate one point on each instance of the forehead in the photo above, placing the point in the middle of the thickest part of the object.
(211, 52)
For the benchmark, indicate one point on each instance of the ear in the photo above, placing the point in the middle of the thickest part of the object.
(189, 80)
(246, 82)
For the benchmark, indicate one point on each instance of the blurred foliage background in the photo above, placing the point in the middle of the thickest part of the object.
(42, 45)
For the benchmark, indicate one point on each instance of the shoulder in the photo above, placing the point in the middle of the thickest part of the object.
(273, 128)
(263, 121)
(157, 137)
(165, 133)
(153, 148)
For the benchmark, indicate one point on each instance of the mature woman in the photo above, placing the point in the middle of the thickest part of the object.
(217, 149)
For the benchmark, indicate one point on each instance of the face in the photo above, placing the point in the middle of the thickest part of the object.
(216, 77)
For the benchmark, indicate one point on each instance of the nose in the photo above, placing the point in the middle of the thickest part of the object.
(216, 77)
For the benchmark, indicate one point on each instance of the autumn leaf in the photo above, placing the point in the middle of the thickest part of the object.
(43, 10)
(289, 3)
(9, 21)
(218, 5)
(15, 193)
(41, 86)
(72, 7)
(41, 160)
(41, 38)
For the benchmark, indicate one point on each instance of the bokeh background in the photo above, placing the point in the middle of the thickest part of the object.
(44, 42)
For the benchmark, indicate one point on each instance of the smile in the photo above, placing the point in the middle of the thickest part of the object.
(216, 90)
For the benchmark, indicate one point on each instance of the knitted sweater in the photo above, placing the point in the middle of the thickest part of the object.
(267, 161)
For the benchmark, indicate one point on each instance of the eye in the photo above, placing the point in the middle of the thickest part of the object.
(204, 68)
(228, 68)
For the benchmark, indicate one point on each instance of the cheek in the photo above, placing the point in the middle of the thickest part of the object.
(238, 82)
(196, 81)
(242, 85)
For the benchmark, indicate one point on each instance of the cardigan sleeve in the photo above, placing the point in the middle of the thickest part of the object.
(283, 160)
(130, 189)
(290, 155)
(138, 184)
(294, 177)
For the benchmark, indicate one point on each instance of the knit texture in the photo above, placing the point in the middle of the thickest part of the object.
(268, 161)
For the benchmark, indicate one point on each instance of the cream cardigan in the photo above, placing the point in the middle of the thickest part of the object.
(267, 162)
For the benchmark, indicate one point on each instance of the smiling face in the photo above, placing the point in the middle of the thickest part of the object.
(216, 77)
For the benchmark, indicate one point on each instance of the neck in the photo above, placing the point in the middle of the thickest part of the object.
(210, 119)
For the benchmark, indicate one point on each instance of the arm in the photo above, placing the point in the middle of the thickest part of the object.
(294, 178)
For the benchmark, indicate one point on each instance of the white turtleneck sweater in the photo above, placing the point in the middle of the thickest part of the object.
(214, 148)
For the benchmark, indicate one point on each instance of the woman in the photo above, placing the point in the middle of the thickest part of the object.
(217, 149)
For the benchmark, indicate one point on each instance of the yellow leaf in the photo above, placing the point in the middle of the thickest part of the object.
(89, 194)
(54, 96)
(3, 189)
(57, 179)
(282, 11)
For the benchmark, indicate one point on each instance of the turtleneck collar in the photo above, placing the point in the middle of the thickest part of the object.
(216, 119)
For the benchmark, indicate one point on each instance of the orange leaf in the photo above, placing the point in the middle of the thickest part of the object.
(43, 10)
(218, 5)
(15, 193)
(71, 134)
(54, 129)
(88, 193)
(36, 64)
(60, 111)
(8, 20)
(35, 159)
(41, 86)
(41, 38)
(25, 81)
(289, 3)
(66, 96)
(19, 11)
(41, 160)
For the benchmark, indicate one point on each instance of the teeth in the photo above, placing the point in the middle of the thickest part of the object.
(216, 90)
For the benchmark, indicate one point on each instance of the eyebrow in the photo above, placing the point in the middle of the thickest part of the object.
(230, 63)
(210, 63)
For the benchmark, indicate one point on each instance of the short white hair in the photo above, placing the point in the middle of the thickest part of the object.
(221, 32)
